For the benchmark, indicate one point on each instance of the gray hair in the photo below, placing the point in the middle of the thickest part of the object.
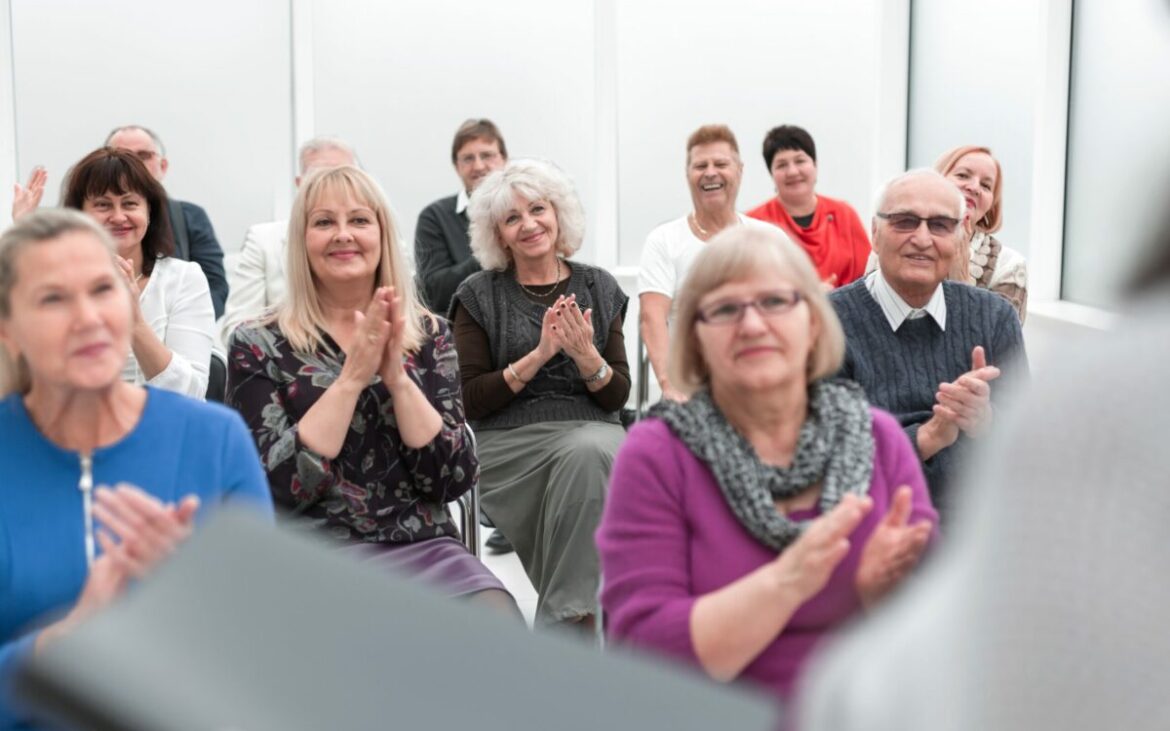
(46, 224)
(534, 180)
(158, 143)
(879, 199)
(320, 144)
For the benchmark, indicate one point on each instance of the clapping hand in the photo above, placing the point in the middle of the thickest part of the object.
(893, 549)
(573, 330)
(367, 349)
(392, 370)
(807, 564)
(137, 532)
(966, 401)
(26, 199)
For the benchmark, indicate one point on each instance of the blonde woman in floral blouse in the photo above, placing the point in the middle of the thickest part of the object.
(351, 390)
(989, 264)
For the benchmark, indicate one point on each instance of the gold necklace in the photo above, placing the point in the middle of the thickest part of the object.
(695, 221)
(538, 295)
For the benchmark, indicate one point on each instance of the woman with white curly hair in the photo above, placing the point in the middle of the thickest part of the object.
(544, 372)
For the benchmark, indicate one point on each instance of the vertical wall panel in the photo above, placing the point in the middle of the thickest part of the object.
(211, 78)
(397, 80)
(753, 66)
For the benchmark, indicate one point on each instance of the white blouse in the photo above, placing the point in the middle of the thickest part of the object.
(176, 303)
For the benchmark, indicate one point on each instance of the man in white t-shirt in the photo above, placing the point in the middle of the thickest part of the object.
(714, 172)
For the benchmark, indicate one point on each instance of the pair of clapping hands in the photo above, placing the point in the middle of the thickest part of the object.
(376, 346)
(137, 531)
(964, 404)
(892, 551)
(566, 328)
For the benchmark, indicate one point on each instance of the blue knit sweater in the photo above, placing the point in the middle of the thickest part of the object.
(901, 371)
(179, 446)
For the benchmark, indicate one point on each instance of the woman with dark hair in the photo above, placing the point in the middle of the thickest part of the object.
(171, 340)
(829, 230)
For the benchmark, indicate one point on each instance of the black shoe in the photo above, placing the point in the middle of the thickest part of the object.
(498, 544)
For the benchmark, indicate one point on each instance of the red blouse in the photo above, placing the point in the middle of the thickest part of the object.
(835, 240)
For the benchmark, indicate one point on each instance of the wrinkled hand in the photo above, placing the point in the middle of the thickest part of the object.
(367, 349)
(893, 549)
(966, 401)
(573, 330)
(392, 368)
(26, 199)
(806, 565)
(669, 394)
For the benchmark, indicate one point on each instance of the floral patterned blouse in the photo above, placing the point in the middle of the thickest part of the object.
(376, 489)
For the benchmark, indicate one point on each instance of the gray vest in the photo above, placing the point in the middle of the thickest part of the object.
(512, 322)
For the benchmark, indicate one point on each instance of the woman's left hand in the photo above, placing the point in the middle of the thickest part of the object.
(891, 551)
(392, 370)
(574, 331)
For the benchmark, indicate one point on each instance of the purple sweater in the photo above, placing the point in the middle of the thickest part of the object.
(668, 537)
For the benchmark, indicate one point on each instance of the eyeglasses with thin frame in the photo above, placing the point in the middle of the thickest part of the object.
(908, 222)
(486, 156)
(771, 304)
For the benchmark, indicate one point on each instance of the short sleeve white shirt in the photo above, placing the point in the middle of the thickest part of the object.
(670, 250)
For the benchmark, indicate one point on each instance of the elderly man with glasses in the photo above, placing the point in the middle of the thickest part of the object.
(926, 349)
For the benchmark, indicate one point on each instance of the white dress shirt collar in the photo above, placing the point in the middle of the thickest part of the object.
(461, 201)
(895, 308)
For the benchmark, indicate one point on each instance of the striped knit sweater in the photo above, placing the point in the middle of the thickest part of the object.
(901, 371)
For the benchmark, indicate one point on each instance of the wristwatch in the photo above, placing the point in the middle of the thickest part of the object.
(601, 373)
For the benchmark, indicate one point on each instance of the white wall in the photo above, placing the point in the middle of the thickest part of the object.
(976, 76)
(396, 80)
(1118, 142)
(211, 78)
(753, 66)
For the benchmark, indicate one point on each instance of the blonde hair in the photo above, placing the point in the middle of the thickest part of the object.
(993, 219)
(48, 224)
(300, 317)
(739, 253)
(534, 180)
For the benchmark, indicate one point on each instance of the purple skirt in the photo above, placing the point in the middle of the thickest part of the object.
(444, 563)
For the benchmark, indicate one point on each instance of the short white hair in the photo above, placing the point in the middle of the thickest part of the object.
(158, 143)
(320, 144)
(534, 180)
(883, 193)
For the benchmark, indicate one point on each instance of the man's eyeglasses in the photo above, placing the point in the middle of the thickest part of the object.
(469, 160)
(908, 222)
(768, 305)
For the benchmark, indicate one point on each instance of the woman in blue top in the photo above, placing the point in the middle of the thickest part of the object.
(70, 425)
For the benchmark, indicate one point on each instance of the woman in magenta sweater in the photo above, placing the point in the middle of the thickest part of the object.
(745, 524)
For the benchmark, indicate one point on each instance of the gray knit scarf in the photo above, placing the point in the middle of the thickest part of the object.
(835, 449)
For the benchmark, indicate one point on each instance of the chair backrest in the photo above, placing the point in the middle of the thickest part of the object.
(469, 509)
(216, 378)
